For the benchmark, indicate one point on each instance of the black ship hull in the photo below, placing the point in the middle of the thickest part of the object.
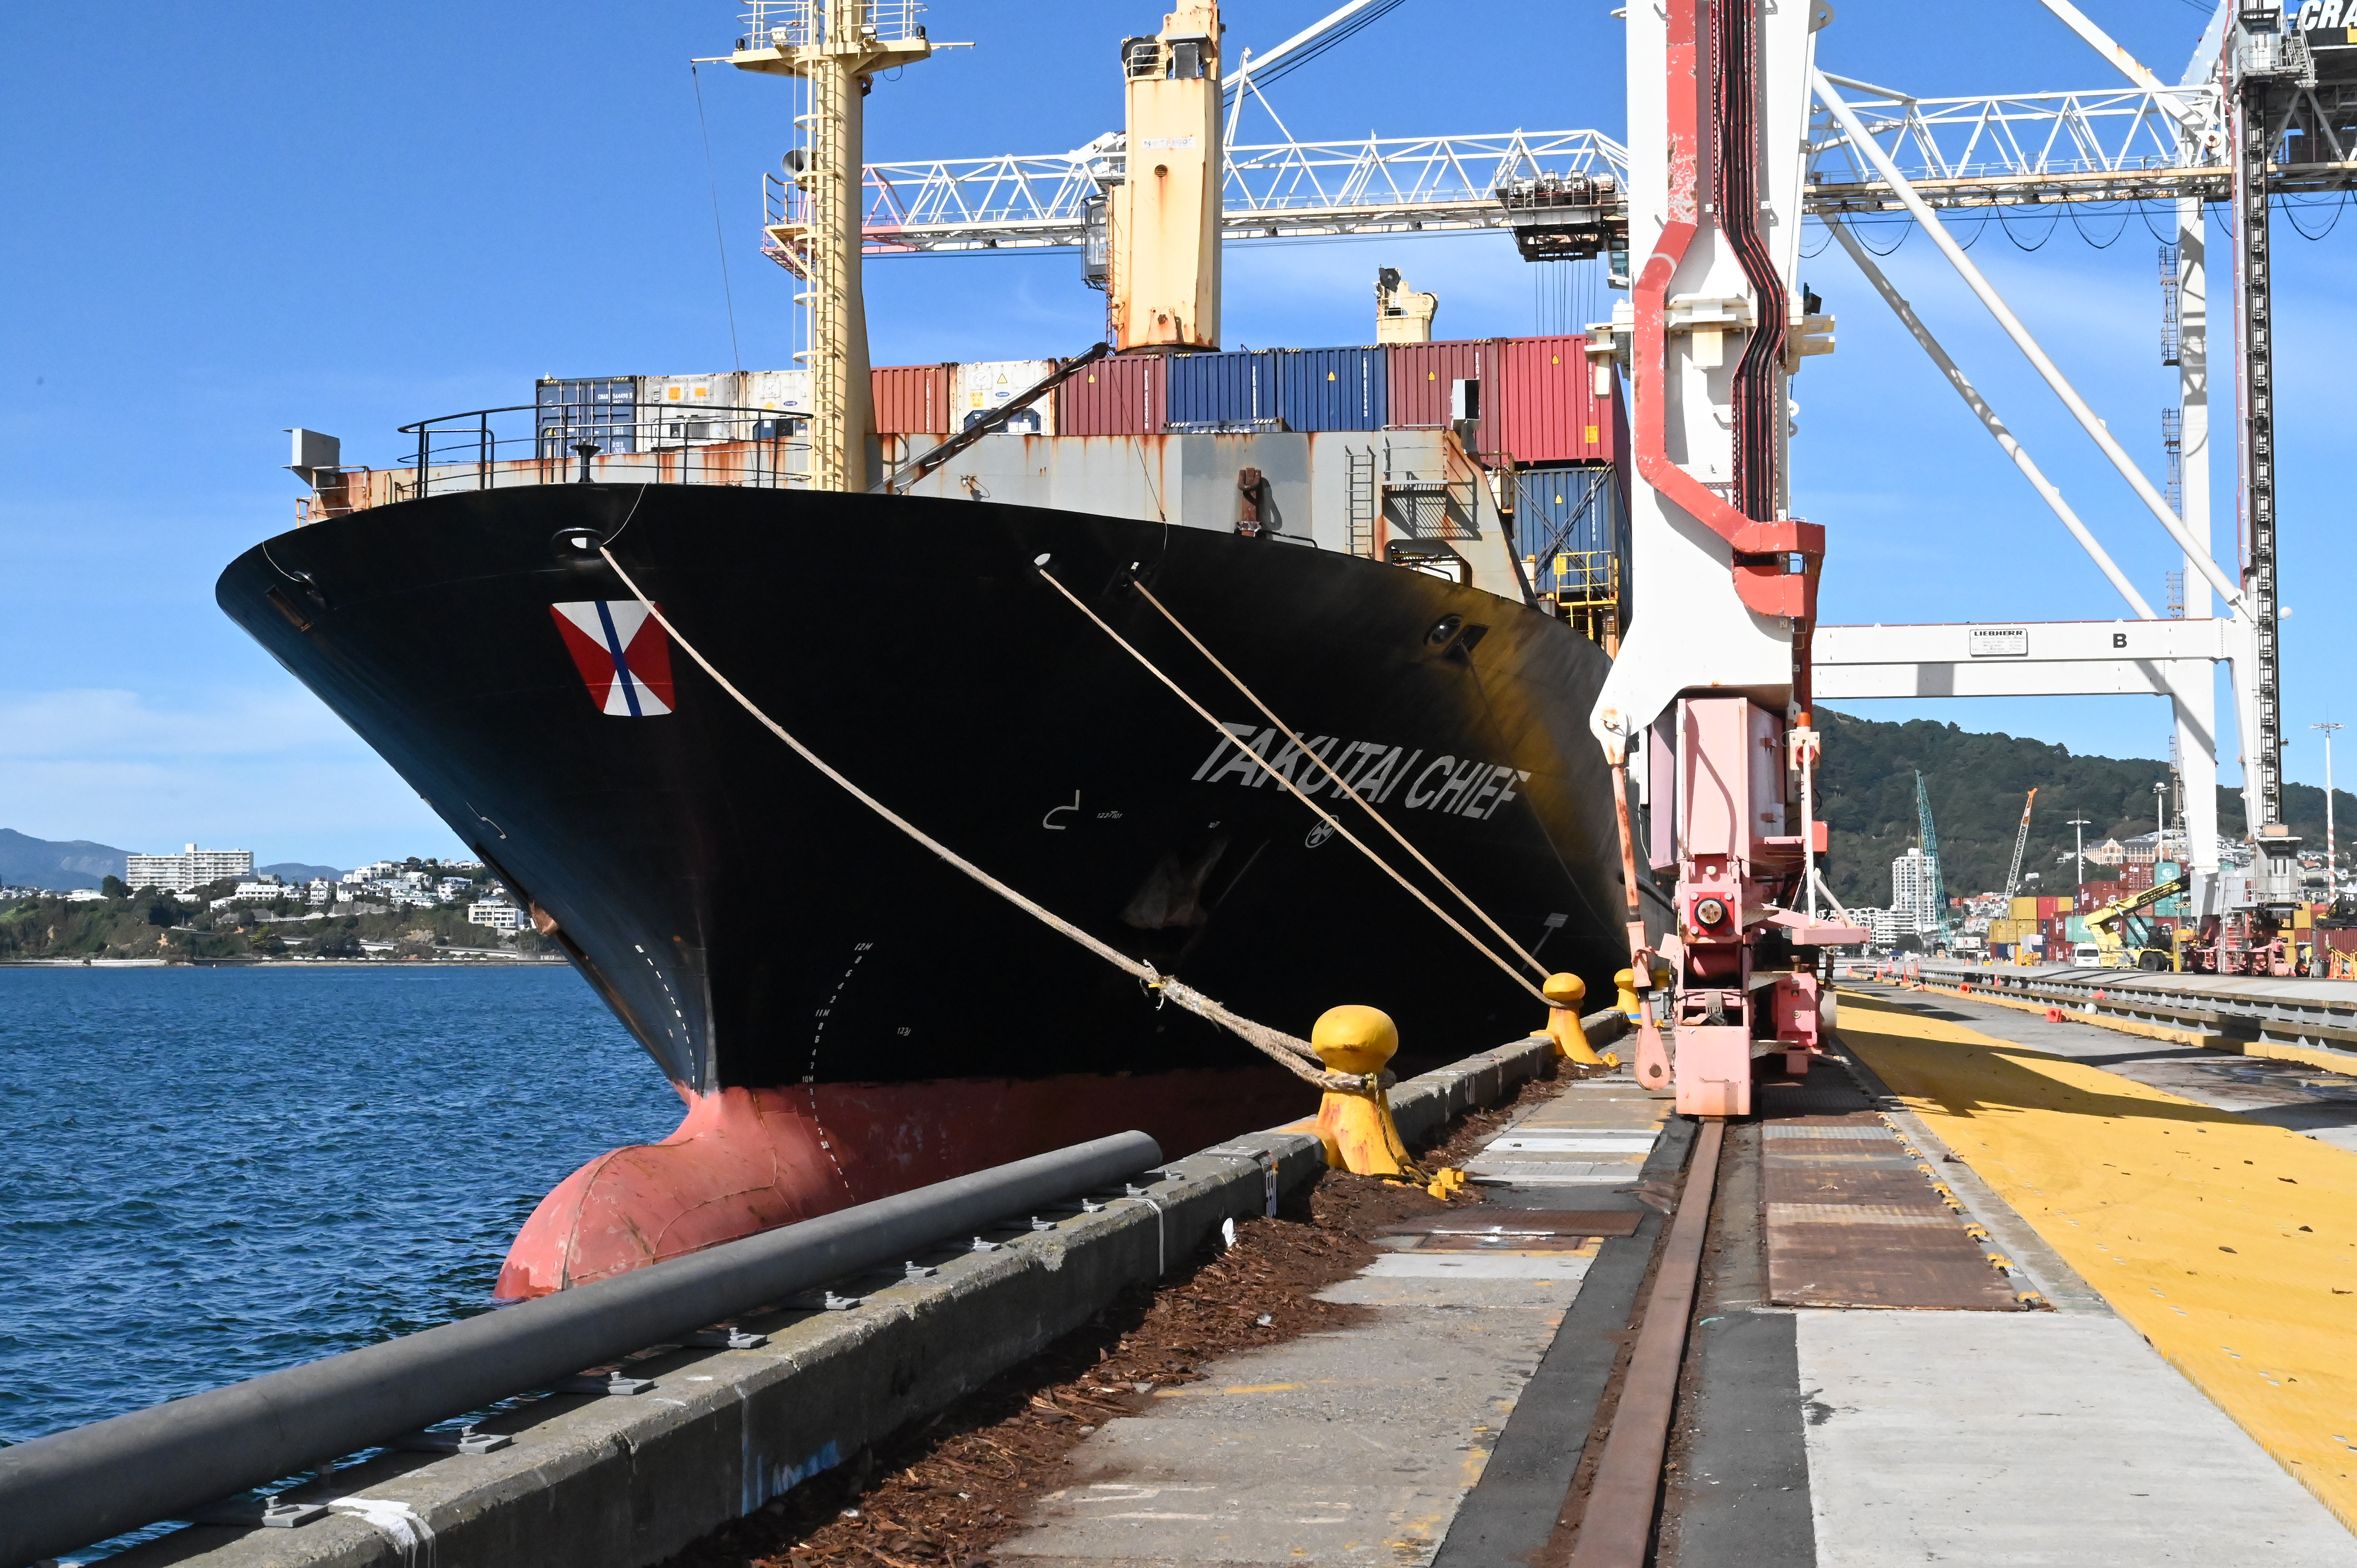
(757, 929)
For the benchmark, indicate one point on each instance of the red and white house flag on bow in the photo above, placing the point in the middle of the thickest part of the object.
(621, 652)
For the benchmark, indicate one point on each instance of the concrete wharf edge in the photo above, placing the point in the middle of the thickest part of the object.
(623, 1481)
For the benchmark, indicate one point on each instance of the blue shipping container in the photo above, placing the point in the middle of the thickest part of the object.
(1567, 511)
(1222, 389)
(1332, 388)
(603, 409)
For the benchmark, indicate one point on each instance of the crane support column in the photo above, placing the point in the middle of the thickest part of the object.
(1165, 255)
(837, 47)
(2267, 58)
(1713, 681)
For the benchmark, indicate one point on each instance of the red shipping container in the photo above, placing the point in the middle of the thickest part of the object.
(912, 400)
(2050, 907)
(1118, 395)
(1421, 376)
(1539, 405)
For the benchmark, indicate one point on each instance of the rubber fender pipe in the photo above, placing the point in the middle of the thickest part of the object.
(70, 1489)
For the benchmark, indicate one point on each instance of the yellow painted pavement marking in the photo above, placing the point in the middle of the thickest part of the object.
(2228, 1245)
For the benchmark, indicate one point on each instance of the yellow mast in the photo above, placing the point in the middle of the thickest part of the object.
(1165, 281)
(836, 46)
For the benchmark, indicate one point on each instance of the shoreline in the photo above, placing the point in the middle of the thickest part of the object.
(484, 962)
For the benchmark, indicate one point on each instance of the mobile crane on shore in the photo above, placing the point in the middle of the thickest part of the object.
(2127, 938)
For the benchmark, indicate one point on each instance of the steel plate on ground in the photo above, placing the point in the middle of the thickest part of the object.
(1850, 1220)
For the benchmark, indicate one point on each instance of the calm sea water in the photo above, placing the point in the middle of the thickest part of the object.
(212, 1173)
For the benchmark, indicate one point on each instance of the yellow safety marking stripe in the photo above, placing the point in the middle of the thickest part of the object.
(2230, 1245)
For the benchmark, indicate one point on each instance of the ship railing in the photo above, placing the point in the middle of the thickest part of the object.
(587, 442)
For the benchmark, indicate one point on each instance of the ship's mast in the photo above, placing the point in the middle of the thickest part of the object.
(1165, 284)
(836, 46)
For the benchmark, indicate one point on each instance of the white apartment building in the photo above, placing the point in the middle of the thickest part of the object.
(265, 889)
(192, 867)
(499, 917)
(1913, 894)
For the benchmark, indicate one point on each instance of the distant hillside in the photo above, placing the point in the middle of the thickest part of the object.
(60, 864)
(296, 871)
(29, 862)
(1866, 793)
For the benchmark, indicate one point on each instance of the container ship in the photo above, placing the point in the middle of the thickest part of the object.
(1410, 552)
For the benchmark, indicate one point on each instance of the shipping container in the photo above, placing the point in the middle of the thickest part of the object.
(985, 386)
(1422, 378)
(912, 400)
(603, 409)
(1332, 389)
(2021, 908)
(1118, 396)
(1574, 508)
(1211, 391)
(677, 410)
(1539, 404)
(788, 392)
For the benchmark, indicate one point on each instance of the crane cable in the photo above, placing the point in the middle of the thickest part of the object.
(1294, 1055)
(1328, 817)
(1341, 789)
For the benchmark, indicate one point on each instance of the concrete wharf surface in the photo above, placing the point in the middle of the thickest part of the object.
(1362, 1446)
(1448, 1426)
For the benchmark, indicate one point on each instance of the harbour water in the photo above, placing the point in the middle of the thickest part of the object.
(212, 1173)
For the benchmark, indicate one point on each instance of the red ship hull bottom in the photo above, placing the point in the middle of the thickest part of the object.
(747, 1160)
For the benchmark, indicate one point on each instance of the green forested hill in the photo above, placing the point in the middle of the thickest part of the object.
(1866, 793)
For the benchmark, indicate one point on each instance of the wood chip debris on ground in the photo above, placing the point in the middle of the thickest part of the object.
(944, 1492)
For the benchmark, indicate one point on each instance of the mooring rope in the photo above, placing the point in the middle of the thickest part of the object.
(1278, 774)
(1340, 788)
(1294, 1055)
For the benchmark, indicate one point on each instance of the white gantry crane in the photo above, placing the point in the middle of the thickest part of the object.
(2252, 119)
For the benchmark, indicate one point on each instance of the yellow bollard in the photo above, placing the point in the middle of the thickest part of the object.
(1631, 1007)
(1357, 1128)
(1564, 992)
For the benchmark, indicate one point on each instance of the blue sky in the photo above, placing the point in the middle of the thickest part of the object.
(226, 220)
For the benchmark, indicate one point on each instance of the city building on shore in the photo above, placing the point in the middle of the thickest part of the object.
(496, 913)
(192, 867)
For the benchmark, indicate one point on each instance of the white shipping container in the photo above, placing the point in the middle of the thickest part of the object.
(989, 384)
(786, 391)
(669, 406)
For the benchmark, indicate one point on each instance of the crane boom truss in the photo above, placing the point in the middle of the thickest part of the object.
(1281, 190)
(2020, 843)
(2024, 149)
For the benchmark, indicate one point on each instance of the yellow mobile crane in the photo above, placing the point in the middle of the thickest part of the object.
(2124, 941)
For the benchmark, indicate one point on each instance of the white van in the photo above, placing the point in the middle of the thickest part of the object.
(2087, 955)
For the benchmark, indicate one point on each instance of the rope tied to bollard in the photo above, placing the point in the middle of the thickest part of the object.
(1296, 1056)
